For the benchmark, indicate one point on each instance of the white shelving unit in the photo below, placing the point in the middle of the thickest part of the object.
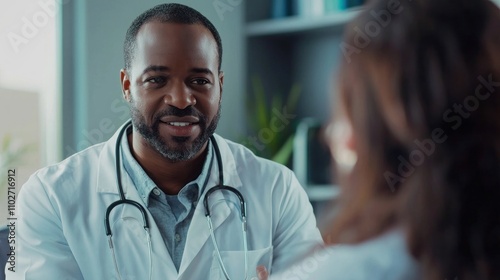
(282, 51)
(277, 49)
(305, 139)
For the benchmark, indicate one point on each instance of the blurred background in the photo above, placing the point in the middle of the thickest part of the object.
(60, 89)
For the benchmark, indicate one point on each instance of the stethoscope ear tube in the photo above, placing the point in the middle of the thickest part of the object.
(243, 226)
(221, 186)
(243, 213)
(125, 201)
(122, 199)
(243, 210)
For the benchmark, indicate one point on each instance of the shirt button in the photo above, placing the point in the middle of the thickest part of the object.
(177, 237)
(156, 191)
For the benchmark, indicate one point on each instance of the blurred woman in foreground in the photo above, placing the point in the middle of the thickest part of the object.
(416, 137)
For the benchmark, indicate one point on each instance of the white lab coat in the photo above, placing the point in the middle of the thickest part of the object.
(60, 228)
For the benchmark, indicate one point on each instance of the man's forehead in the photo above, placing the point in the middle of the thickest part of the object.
(157, 41)
(156, 29)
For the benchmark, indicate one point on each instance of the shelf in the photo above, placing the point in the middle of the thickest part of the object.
(297, 24)
(322, 192)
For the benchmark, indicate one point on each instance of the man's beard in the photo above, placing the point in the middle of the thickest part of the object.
(183, 150)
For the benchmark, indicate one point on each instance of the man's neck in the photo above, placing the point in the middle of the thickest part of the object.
(169, 176)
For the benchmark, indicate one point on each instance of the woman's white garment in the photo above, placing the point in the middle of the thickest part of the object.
(381, 258)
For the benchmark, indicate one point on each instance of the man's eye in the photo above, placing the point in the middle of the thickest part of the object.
(201, 81)
(156, 80)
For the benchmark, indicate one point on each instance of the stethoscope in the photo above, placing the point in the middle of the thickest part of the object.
(143, 211)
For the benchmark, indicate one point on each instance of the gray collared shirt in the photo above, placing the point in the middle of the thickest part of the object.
(172, 213)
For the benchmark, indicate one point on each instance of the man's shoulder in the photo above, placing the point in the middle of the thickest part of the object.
(245, 156)
(78, 164)
(251, 167)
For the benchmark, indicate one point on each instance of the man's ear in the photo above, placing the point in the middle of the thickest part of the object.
(221, 81)
(125, 82)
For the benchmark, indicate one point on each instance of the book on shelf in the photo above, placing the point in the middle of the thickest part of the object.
(310, 8)
(281, 8)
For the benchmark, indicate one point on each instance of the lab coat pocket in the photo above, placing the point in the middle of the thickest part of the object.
(234, 261)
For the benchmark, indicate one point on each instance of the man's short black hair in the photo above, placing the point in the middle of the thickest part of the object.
(167, 13)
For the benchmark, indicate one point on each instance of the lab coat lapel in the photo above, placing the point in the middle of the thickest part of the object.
(162, 261)
(106, 176)
(231, 177)
(163, 265)
(199, 232)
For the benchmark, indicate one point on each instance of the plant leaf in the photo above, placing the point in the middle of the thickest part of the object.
(284, 153)
(260, 104)
(293, 97)
(278, 139)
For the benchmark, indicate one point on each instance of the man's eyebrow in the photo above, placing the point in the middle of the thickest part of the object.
(202, 71)
(155, 68)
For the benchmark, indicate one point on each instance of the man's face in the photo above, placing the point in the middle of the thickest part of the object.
(174, 88)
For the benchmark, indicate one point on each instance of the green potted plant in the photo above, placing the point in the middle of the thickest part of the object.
(271, 136)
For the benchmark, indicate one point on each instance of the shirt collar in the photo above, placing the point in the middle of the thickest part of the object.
(145, 185)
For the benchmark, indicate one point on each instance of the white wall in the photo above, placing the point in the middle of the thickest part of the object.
(93, 33)
(29, 64)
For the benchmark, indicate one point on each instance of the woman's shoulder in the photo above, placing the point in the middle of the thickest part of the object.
(385, 257)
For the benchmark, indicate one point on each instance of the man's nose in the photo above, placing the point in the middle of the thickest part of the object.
(179, 96)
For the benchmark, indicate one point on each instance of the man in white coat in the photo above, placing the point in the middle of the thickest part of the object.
(165, 162)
